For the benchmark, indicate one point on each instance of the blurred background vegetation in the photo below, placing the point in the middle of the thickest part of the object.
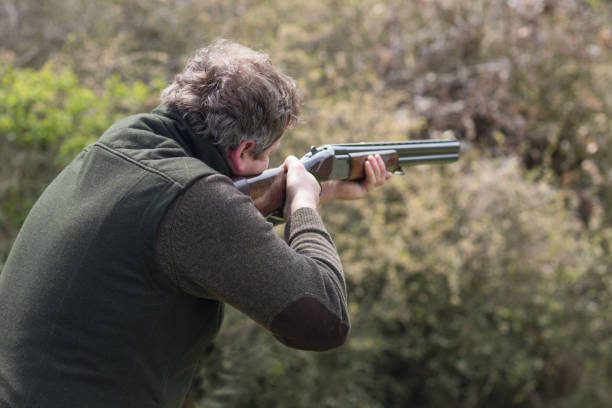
(482, 283)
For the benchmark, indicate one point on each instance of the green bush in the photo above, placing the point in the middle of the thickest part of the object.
(46, 117)
(470, 285)
(464, 292)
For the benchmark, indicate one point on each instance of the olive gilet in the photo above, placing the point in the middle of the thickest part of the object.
(90, 320)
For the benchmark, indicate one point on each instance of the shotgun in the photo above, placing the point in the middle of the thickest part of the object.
(344, 161)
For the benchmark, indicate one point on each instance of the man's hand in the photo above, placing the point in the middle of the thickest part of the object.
(302, 189)
(376, 175)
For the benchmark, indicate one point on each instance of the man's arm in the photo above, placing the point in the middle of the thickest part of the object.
(213, 243)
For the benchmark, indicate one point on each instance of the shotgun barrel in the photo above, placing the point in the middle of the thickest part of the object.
(348, 158)
(411, 152)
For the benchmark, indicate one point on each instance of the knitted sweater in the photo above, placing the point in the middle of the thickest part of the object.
(214, 244)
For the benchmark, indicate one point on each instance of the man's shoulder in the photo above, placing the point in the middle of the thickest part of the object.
(216, 196)
(152, 141)
(138, 131)
(215, 188)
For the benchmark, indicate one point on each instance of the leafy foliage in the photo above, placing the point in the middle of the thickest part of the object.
(46, 117)
(463, 292)
(477, 284)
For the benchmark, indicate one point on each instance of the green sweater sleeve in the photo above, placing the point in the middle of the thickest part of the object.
(213, 243)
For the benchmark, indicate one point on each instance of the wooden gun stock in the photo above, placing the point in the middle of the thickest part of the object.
(266, 190)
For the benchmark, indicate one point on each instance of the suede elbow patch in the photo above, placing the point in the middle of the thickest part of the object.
(307, 324)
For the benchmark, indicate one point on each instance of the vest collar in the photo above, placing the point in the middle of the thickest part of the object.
(196, 146)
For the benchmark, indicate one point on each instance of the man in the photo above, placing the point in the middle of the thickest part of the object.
(118, 277)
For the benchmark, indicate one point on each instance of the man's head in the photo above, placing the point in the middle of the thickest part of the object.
(235, 97)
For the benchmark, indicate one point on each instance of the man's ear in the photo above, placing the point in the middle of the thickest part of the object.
(240, 156)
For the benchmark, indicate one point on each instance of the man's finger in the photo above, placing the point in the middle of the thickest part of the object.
(291, 161)
(370, 179)
(378, 166)
(383, 168)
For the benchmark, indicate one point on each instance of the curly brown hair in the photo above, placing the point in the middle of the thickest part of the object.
(230, 93)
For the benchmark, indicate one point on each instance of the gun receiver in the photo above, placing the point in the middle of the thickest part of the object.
(345, 161)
